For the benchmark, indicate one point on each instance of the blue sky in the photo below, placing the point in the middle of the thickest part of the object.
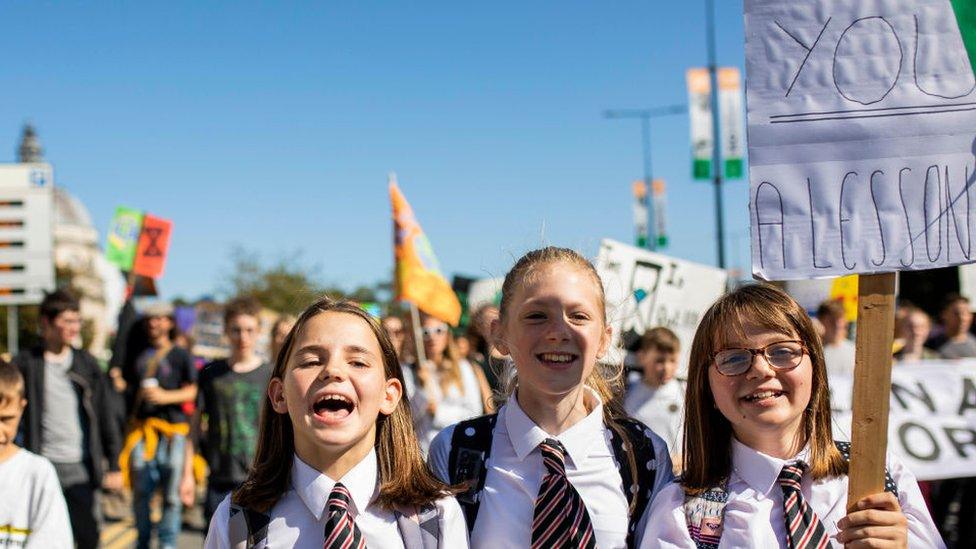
(273, 126)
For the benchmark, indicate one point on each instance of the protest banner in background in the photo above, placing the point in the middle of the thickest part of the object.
(932, 425)
(153, 245)
(123, 237)
(645, 289)
(862, 131)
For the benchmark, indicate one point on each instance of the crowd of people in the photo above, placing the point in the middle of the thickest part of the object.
(513, 433)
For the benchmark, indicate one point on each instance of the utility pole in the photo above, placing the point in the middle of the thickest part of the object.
(645, 116)
(716, 134)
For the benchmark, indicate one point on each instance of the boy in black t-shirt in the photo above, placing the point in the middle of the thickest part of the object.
(231, 393)
(157, 383)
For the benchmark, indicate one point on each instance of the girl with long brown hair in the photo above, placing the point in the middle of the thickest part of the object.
(337, 461)
(559, 465)
(760, 466)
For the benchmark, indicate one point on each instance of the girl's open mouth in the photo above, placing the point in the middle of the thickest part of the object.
(763, 397)
(332, 408)
(557, 360)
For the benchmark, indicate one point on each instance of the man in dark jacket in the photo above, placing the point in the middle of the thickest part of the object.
(68, 418)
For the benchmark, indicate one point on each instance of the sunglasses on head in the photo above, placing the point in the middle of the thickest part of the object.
(436, 330)
(781, 355)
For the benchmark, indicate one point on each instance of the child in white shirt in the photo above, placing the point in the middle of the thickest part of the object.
(760, 466)
(658, 398)
(33, 512)
(558, 465)
(337, 462)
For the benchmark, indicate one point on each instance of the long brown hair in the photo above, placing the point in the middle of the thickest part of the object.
(707, 456)
(404, 478)
(605, 379)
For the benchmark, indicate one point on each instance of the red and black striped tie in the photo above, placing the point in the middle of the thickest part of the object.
(803, 527)
(340, 530)
(560, 520)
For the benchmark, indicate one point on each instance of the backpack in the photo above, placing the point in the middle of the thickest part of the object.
(419, 529)
(704, 512)
(471, 448)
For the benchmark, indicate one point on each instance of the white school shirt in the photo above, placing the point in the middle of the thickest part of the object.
(298, 519)
(33, 513)
(754, 513)
(660, 408)
(515, 472)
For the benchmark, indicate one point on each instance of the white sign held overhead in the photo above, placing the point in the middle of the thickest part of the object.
(26, 233)
(862, 131)
(646, 289)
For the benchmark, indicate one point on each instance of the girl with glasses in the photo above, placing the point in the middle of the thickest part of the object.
(761, 468)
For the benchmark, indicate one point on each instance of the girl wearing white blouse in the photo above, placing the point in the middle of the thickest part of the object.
(558, 466)
(760, 467)
(337, 462)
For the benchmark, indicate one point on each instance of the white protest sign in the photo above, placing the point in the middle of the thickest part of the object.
(862, 131)
(932, 424)
(646, 289)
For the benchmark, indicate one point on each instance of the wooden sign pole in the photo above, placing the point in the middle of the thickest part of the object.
(872, 385)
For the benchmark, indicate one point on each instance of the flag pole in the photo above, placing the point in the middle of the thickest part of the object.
(418, 336)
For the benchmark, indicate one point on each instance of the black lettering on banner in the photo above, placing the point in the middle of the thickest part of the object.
(908, 224)
(840, 214)
(925, 212)
(964, 60)
(152, 246)
(903, 432)
(966, 252)
(813, 230)
(900, 392)
(873, 33)
(804, 46)
(877, 213)
(960, 437)
(968, 401)
(760, 223)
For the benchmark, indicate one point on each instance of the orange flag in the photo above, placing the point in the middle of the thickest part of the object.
(418, 275)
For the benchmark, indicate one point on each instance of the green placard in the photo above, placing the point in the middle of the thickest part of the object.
(701, 169)
(733, 168)
(123, 237)
(966, 17)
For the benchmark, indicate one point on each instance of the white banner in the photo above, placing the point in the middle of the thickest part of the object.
(733, 118)
(646, 289)
(862, 127)
(700, 122)
(932, 425)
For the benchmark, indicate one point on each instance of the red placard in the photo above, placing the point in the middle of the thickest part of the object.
(153, 245)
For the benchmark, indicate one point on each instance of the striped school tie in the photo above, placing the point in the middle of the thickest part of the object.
(560, 520)
(803, 527)
(340, 530)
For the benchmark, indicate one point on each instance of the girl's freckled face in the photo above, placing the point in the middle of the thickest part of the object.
(554, 328)
(764, 399)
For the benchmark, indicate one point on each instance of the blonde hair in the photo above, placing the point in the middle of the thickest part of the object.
(403, 475)
(449, 367)
(605, 379)
(707, 455)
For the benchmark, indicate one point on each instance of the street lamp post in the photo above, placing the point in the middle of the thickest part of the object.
(645, 116)
(716, 135)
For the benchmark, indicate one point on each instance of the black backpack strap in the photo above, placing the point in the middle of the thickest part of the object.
(466, 463)
(248, 529)
(845, 451)
(638, 444)
(420, 528)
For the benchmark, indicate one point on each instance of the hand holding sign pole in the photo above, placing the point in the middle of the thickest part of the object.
(861, 161)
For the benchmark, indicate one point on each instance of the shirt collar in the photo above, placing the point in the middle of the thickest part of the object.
(314, 487)
(757, 469)
(526, 436)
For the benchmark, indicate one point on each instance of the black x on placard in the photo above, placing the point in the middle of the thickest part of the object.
(152, 247)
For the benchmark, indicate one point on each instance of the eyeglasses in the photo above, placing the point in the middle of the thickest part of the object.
(431, 332)
(781, 355)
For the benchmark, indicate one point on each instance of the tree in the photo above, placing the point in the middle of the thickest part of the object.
(287, 285)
